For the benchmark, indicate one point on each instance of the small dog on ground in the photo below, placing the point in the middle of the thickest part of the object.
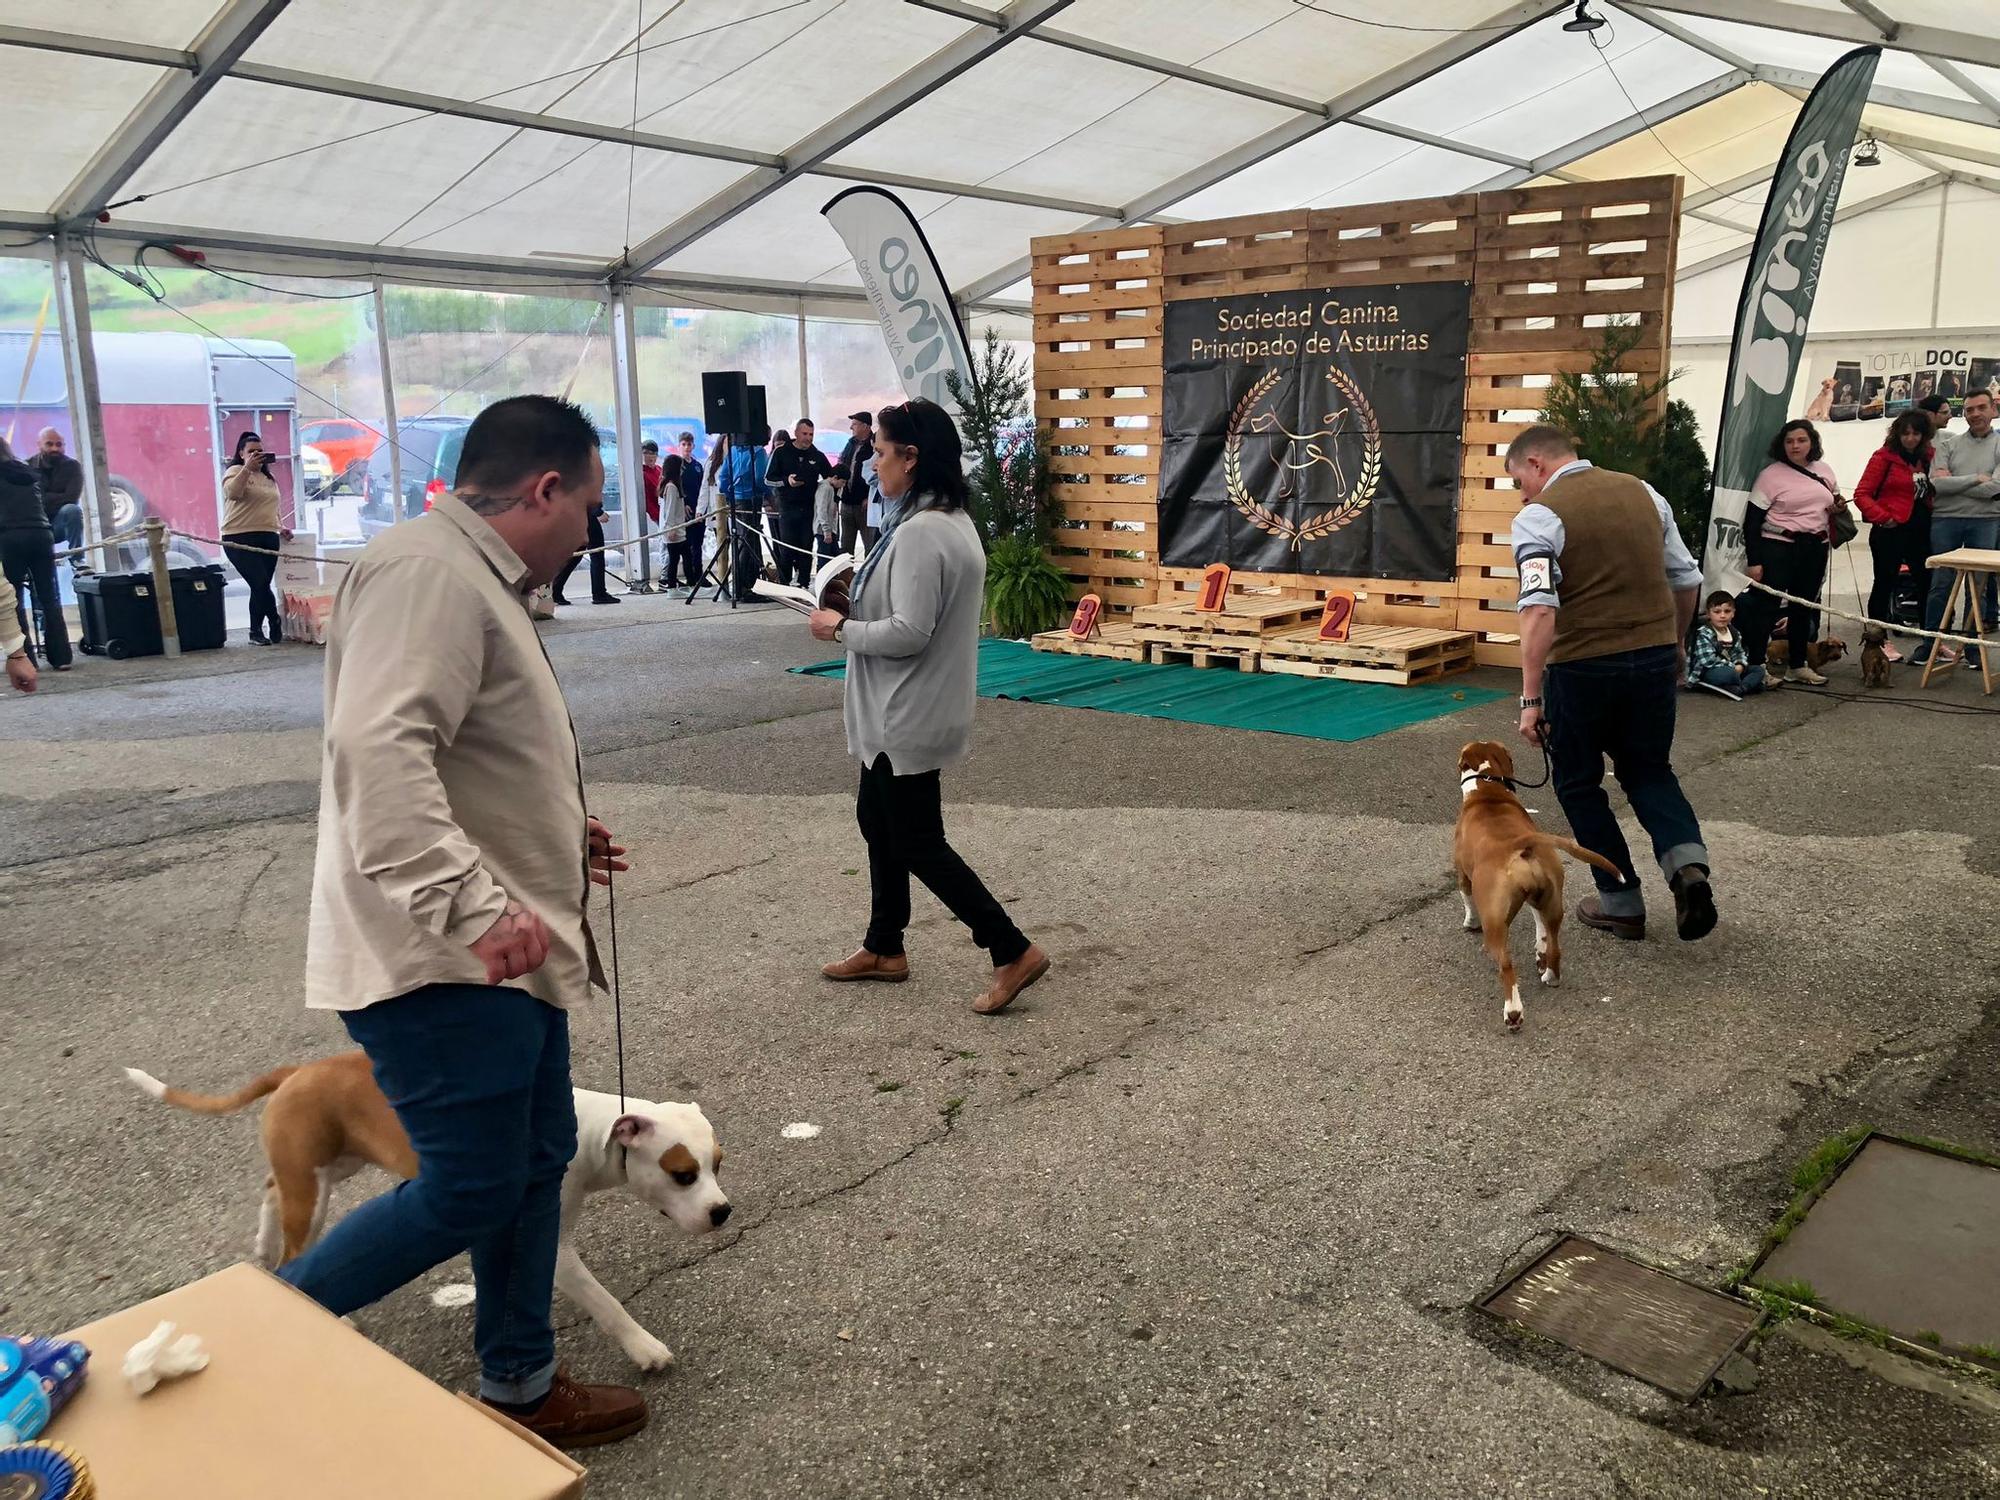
(1874, 659)
(1820, 654)
(328, 1119)
(1504, 863)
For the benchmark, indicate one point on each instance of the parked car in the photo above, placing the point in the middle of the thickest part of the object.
(429, 447)
(344, 440)
(316, 470)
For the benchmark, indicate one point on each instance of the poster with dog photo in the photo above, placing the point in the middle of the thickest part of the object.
(1984, 375)
(1896, 400)
(1951, 386)
(1846, 391)
(1872, 398)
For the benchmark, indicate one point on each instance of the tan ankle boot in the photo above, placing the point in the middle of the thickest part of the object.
(863, 965)
(1008, 982)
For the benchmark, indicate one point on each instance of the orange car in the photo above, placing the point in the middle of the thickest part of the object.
(343, 440)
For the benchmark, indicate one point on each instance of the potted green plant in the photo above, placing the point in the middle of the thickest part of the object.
(1609, 410)
(1011, 491)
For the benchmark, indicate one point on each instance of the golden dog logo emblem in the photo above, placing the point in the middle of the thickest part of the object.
(1349, 424)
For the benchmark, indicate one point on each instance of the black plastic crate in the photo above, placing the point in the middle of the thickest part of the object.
(121, 618)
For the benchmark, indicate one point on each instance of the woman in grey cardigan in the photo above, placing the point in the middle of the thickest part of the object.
(912, 638)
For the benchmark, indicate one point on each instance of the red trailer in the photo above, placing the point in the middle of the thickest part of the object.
(173, 406)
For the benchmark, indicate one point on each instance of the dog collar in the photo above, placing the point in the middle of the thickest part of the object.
(1465, 776)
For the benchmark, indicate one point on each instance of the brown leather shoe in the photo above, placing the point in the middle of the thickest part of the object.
(1592, 914)
(1008, 982)
(861, 964)
(585, 1416)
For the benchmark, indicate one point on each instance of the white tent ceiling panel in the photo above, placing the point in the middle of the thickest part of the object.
(1963, 134)
(775, 76)
(563, 197)
(1332, 166)
(1719, 142)
(90, 98)
(1041, 118)
(1813, 54)
(157, 23)
(218, 171)
(1277, 44)
(788, 239)
(1543, 87)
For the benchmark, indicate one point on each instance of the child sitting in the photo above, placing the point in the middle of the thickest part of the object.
(1716, 658)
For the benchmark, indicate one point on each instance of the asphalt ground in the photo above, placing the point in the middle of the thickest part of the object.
(1203, 1215)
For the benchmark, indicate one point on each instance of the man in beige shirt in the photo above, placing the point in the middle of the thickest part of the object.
(448, 920)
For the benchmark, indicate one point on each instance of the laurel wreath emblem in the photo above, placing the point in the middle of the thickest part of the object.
(1345, 509)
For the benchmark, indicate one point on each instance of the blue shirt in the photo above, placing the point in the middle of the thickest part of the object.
(1538, 546)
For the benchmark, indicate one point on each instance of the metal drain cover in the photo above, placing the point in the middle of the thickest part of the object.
(1655, 1327)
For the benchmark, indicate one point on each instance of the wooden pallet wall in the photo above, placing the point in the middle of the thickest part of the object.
(1548, 266)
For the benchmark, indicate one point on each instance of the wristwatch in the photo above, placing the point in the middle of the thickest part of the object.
(840, 633)
(1531, 703)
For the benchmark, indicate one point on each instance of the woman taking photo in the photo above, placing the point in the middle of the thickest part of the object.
(1785, 544)
(251, 520)
(1894, 498)
(912, 638)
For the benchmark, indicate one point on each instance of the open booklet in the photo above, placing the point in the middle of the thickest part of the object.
(829, 588)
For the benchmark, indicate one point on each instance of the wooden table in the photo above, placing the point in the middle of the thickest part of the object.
(1970, 565)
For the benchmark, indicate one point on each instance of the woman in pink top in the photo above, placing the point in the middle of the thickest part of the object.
(1785, 543)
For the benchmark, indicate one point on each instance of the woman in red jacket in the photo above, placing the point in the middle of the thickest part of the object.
(1894, 496)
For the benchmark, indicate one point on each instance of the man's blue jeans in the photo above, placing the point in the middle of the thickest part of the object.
(68, 526)
(1620, 705)
(1947, 534)
(479, 1076)
(1749, 680)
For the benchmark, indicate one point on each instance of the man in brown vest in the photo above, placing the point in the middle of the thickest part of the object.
(1607, 591)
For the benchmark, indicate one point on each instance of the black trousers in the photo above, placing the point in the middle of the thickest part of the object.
(1797, 567)
(851, 517)
(596, 539)
(746, 562)
(1891, 547)
(795, 529)
(902, 818)
(258, 569)
(29, 559)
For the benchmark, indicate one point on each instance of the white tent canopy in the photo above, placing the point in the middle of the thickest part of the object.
(688, 144)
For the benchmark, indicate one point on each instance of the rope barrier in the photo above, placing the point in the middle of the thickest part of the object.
(131, 533)
(1827, 609)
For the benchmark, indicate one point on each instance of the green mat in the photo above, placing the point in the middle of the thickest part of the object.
(1318, 708)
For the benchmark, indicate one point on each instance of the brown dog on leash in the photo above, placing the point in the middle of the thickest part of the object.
(1874, 659)
(1504, 863)
(1820, 654)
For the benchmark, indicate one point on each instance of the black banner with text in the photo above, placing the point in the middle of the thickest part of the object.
(1316, 432)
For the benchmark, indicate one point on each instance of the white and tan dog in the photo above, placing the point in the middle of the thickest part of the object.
(1504, 863)
(328, 1119)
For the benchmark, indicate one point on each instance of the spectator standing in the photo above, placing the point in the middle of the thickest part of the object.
(826, 518)
(1716, 658)
(795, 475)
(1965, 511)
(848, 480)
(1785, 530)
(1939, 411)
(912, 643)
(1894, 498)
(59, 478)
(781, 442)
(28, 557)
(252, 532)
(698, 502)
(593, 543)
(14, 641)
(650, 474)
(449, 924)
(1607, 593)
(739, 483)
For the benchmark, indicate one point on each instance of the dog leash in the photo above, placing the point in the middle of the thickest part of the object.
(617, 998)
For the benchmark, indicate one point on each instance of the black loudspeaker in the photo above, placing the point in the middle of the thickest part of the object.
(725, 405)
(756, 416)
